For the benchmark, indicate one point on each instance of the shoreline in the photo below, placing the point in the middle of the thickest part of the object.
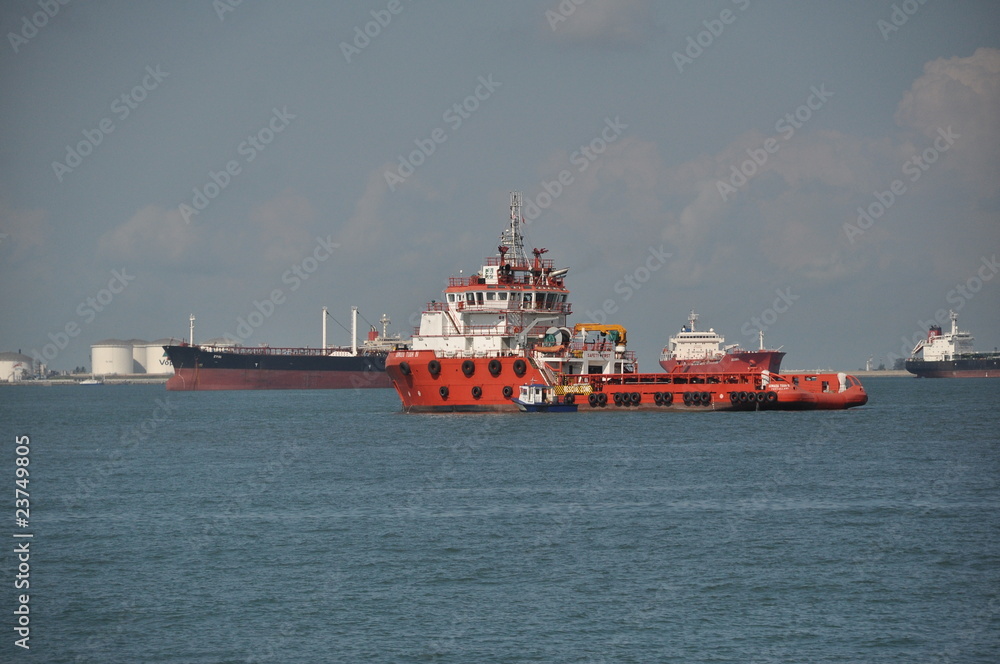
(127, 379)
(143, 379)
(892, 373)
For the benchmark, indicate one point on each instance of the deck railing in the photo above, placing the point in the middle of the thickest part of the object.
(276, 350)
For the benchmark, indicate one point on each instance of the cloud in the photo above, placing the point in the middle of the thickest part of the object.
(153, 235)
(279, 230)
(786, 222)
(387, 223)
(366, 228)
(273, 234)
(22, 231)
(606, 23)
(963, 93)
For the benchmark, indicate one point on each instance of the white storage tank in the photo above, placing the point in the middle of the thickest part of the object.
(155, 358)
(138, 355)
(110, 357)
(15, 367)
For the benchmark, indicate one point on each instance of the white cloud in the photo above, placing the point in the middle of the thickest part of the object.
(273, 234)
(22, 230)
(153, 235)
(614, 23)
(787, 221)
(367, 226)
(280, 230)
(963, 93)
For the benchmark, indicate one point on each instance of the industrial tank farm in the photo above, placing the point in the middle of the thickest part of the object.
(14, 367)
(111, 357)
(155, 359)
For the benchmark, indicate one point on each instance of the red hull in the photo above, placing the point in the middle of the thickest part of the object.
(748, 360)
(714, 391)
(421, 391)
(274, 379)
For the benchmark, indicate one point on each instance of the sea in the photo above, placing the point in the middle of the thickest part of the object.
(328, 526)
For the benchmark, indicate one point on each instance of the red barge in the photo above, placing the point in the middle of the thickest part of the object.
(506, 327)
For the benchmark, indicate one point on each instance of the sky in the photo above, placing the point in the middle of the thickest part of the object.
(825, 172)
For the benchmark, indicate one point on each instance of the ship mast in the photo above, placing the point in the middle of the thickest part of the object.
(354, 330)
(512, 238)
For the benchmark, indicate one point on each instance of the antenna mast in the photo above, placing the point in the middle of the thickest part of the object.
(512, 237)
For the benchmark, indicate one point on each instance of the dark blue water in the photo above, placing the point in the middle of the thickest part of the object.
(326, 526)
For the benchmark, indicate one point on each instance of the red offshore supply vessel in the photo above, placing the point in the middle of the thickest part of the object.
(697, 351)
(505, 328)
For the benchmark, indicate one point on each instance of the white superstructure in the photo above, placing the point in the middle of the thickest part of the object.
(495, 311)
(693, 344)
(939, 346)
(516, 305)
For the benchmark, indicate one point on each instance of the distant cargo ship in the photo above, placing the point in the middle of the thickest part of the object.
(231, 367)
(951, 355)
(694, 350)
